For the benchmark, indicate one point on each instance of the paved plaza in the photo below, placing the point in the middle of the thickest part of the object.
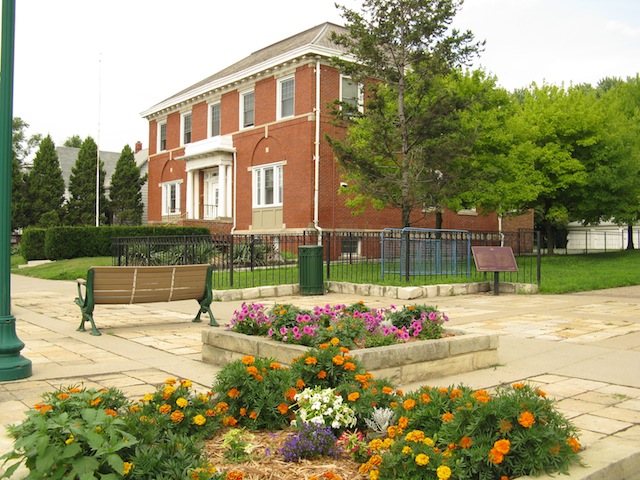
(582, 349)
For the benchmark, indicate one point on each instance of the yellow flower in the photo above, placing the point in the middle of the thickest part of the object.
(182, 402)
(334, 341)
(127, 467)
(407, 450)
(422, 459)
(147, 398)
(409, 404)
(375, 444)
(170, 381)
(69, 440)
(443, 472)
(186, 383)
(414, 436)
(199, 420)
(428, 442)
(374, 475)
(134, 408)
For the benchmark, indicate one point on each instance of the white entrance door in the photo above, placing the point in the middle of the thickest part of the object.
(211, 194)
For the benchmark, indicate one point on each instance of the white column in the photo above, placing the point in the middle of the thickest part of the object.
(222, 186)
(189, 194)
(196, 194)
(229, 191)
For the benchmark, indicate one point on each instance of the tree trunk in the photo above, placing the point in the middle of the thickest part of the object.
(550, 240)
(630, 245)
(438, 220)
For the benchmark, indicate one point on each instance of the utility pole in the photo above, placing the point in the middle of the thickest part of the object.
(13, 366)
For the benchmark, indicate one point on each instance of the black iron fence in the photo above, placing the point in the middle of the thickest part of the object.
(417, 257)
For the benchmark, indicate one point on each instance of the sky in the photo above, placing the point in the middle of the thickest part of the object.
(89, 67)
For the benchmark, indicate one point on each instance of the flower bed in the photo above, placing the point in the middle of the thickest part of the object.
(414, 346)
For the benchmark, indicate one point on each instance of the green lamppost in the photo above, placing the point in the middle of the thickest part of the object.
(12, 365)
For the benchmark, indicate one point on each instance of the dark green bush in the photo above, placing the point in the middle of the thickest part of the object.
(74, 242)
(32, 244)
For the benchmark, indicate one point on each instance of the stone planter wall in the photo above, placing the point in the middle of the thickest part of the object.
(402, 364)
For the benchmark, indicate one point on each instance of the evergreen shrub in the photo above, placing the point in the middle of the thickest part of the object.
(32, 244)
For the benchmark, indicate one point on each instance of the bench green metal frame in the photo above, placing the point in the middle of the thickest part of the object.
(144, 284)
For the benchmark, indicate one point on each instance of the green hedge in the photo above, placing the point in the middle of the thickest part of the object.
(32, 244)
(59, 243)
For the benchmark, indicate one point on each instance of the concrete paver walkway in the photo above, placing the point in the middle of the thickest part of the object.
(582, 349)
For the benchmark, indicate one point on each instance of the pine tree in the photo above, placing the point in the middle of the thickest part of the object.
(125, 192)
(22, 146)
(81, 208)
(45, 186)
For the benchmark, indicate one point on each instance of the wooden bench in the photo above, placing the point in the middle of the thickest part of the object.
(128, 285)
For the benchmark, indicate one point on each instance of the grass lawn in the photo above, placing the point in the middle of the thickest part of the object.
(560, 273)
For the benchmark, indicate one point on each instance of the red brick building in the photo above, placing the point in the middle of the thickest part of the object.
(243, 150)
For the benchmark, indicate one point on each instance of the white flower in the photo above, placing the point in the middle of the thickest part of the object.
(323, 407)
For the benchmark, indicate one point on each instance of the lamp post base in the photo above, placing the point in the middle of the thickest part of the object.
(13, 366)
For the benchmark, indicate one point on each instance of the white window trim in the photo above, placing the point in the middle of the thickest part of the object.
(360, 92)
(279, 115)
(277, 184)
(165, 197)
(242, 97)
(159, 146)
(210, 118)
(182, 118)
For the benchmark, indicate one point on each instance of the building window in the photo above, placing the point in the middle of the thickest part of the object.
(286, 95)
(267, 185)
(214, 111)
(351, 93)
(350, 246)
(171, 198)
(247, 109)
(186, 128)
(162, 136)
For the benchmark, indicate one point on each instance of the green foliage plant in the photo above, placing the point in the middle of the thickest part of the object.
(45, 184)
(238, 445)
(74, 433)
(126, 190)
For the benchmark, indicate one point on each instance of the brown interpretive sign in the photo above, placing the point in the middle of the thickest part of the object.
(494, 259)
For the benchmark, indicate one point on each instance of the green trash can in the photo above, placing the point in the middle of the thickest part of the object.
(310, 270)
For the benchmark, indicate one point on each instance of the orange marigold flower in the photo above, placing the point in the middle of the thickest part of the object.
(393, 404)
(503, 446)
(186, 383)
(465, 442)
(275, 365)
(349, 366)
(253, 415)
(323, 346)
(322, 374)
(112, 412)
(414, 436)
(542, 393)
(455, 393)
(229, 421)
(399, 393)
(248, 359)
(243, 412)
(518, 386)
(361, 378)
(252, 370)
(481, 396)
(334, 341)
(75, 390)
(555, 449)
(63, 396)
(409, 404)
(392, 431)
(403, 422)
(258, 377)
(344, 349)
(177, 416)
(353, 396)
(283, 408)
(574, 444)
(290, 394)
(96, 401)
(425, 398)
(300, 384)
(447, 417)
(504, 477)
(222, 407)
(387, 390)
(170, 381)
(338, 360)
(526, 419)
(495, 456)
(233, 475)
(164, 408)
(210, 413)
(444, 390)
(134, 408)
(43, 407)
(505, 426)
(234, 393)
(311, 360)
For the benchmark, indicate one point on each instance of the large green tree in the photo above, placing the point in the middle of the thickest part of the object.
(402, 52)
(125, 192)
(81, 207)
(73, 141)
(22, 147)
(45, 186)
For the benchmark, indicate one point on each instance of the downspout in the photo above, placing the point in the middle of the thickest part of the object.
(234, 213)
(316, 155)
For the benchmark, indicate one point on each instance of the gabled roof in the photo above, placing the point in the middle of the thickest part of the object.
(67, 157)
(316, 40)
